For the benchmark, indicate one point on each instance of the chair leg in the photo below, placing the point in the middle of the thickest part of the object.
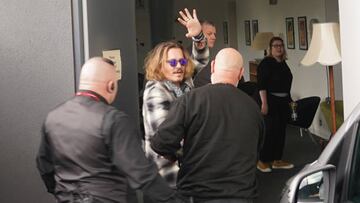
(301, 133)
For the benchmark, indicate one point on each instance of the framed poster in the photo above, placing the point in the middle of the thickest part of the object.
(255, 28)
(302, 27)
(290, 35)
(247, 33)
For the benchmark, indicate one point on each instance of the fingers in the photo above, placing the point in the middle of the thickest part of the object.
(187, 16)
(186, 19)
(188, 13)
(194, 14)
(183, 16)
(182, 21)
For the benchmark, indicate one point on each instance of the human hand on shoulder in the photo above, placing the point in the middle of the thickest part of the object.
(191, 23)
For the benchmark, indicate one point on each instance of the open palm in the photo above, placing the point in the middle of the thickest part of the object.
(191, 23)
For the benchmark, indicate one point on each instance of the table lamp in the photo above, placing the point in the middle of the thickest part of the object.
(325, 49)
(261, 41)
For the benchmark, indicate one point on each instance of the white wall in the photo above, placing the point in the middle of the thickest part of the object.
(308, 81)
(350, 43)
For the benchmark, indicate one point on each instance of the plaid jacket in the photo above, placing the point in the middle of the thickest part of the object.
(200, 57)
(158, 96)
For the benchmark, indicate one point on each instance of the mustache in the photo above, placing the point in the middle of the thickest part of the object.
(178, 71)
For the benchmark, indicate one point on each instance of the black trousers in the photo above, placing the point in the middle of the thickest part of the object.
(275, 123)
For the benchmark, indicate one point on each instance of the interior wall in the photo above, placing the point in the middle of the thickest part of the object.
(307, 81)
(111, 25)
(232, 25)
(350, 32)
(36, 73)
(215, 11)
(143, 34)
(332, 15)
(161, 22)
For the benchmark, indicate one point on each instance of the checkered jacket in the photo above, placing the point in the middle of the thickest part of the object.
(158, 97)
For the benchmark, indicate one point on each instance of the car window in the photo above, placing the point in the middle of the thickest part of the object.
(354, 180)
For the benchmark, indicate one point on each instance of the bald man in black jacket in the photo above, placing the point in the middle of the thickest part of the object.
(222, 130)
(90, 151)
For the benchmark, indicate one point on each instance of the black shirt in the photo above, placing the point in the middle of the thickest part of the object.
(203, 77)
(274, 76)
(89, 147)
(222, 128)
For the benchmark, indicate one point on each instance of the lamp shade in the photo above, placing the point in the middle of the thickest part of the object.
(261, 40)
(325, 45)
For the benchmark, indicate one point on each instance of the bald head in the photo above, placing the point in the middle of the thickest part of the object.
(99, 75)
(227, 67)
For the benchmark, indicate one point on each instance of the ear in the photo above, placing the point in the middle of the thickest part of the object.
(110, 87)
(241, 73)
(212, 66)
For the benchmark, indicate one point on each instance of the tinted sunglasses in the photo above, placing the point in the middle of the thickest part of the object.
(173, 62)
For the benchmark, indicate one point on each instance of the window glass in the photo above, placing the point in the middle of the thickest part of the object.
(311, 188)
(354, 180)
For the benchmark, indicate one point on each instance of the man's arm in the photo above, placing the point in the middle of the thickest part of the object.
(200, 51)
(129, 158)
(44, 163)
(166, 141)
(200, 54)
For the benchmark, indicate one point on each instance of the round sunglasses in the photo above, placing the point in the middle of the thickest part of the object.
(173, 62)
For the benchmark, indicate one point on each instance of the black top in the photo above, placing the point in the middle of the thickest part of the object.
(274, 76)
(89, 147)
(222, 129)
(203, 77)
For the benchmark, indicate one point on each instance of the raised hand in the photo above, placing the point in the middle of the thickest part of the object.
(191, 23)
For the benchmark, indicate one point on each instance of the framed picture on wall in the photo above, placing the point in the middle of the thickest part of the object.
(302, 27)
(247, 33)
(255, 28)
(290, 35)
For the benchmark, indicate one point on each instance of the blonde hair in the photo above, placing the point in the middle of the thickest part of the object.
(158, 56)
(272, 40)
